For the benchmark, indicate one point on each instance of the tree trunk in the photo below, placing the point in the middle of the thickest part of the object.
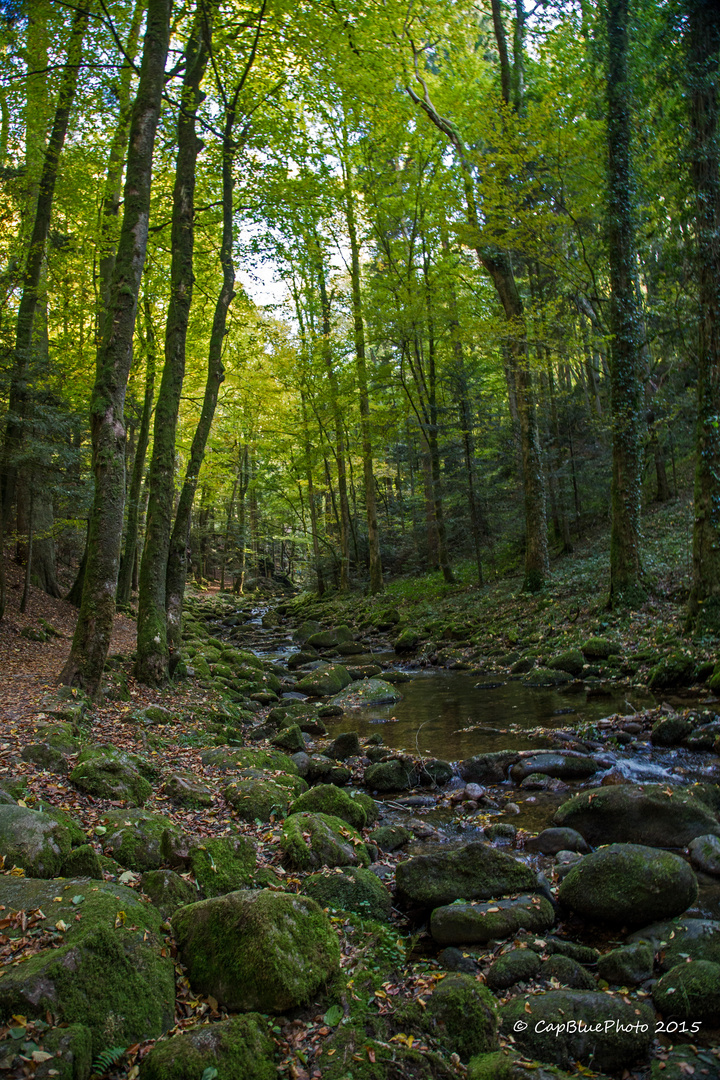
(625, 386)
(44, 572)
(703, 45)
(95, 622)
(152, 646)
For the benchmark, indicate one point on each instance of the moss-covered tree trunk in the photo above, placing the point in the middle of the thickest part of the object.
(703, 48)
(626, 395)
(152, 647)
(95, 621)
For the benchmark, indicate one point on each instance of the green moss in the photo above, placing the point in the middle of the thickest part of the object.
(239, 1049)
(507, 1065)
(257, 800)
(72, 1047)
(567, 972)
(247, 758)
(83, 861)
(35, 841)
(518, 965)
(309, 841)
(460, 1014)
(141, 840)
(391, 837)
(354, 890)
(329, 799)
(107, 778)
(168, 891)
(388, 776)
(355, 1056)
(690, 991)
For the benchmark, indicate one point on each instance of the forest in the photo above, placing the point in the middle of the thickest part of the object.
(351, 353)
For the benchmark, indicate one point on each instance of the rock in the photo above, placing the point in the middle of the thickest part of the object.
(185, 790)
(677, 669)
(542, 676)
(345, 746)
(703, 737)
(309, 841)
(474, 791)
(476, 924)
(454, 960)
(629, 885)
(568, 766)
(583, 954)
(488, 768)
(257, 799)
(107, 972)
(670, 730)
(391, 837)
(388, 776)
(362, 1058)
(257, 950)
(518, 965)
(642, 814)
(432, 772)
(329, 799)
(34, 841)
(567, 1026)
(507, 1065)
(328, 639)
(112, 776)
(705, 854)
(290, 739)
(599, 648)
(354, 890)
(156, 714)
(372, 812)
(306, 630)
(678, 939)
(223, 864)
(140, 840)
(571, 661)
(551, 841)
(57, 745)
(542, 782)
(407, 641)
(168, 891)
(350, 648)
(327, 680)
(627, 966)
(567, 972)
(460, 1014)
(83, 861)
(474, 872)
(503, 830)
(321, 769)
(367, 692)
(239, 1048)
(228, 760)
(690, 991)
(677, 1062)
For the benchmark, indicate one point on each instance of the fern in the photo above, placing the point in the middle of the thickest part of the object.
(105, 1060)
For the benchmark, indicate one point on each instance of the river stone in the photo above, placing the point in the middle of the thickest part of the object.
(579, 1013)
(289, 738)
(329, 799)
(599, 648)
(345, 746)
(35, 841)
(306, 630)
(112, 776)
(629, 885)
(367, 692)
(474, 872)
(583, 954)
(354, 889)
(677, 1062)
(690, 991)
(168, 891)
(222, 864)
(641, 814)
(542, 676)
(309, 841)
(322, 769)
(561, 766)
(407, 641)
(328, 639)
(140, 840)
(488, 768)
(239, 1048)
(677, 939)
(670, 730)
(552, 841)
(227, 760)
(83, 861)
(388, 776)
(476, 924)
(518, 965)
(461, 1014)
(567, 972)
(705, 854)
(263, 950)
(432, 772)
(571, 661)
(257, 799)
(391, 837)
(185, 790)
(107, 973)
(676, 669)
(325, 681)
(627, 966)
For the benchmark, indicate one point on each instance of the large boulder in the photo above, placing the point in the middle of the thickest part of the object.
(567, 766)
(488, 768)
(239, 1048)
(705, 854)
(460, 1014)
(563, 1027)
(329, 799)
(309, 841)
(367, 692)
(262, 950)
(325, 681)
(551, 841)
(237, 760)
(649, 814)
(474, 872)
(35, 841)
(677, 940)
(690, 991)
(184, 789)
(476, 924)
(629, 885)
(257, 799)
(52, 752)
(107, 969)
(353, 889)
(222, 864)
(168, 891)
(141, 840)
(107, 773)
(387, 776)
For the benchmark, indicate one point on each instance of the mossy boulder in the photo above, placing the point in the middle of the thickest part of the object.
(705, 854)
(518, 965)
(545, 676)
(290, 739)
(257, 949)
(551, 841)
(354, 889)
(309, 841)
(111, 775)
(168, 891)
(629, 885)
(391, 837)
(408, 640)
(257, 799)
(677, 1062)
(141, 840)
(35, 841)
(561, 766)
(107, 973)
(676, 940)
(474, 872)
(676, 669)
(83, 861)
(488, 768)
(690, 991)
(329, 799)
(432, 772)
(235, 760)
(222, 864)
(186, 790)
(240, 1048)
(629, 965)
(323, 770)
(346, 745)
(651, 814)
(507, 1065)
(571, 661)
(387, 776)
(352, 1053)
(460, 1014)
(599, 648)
(372, 812)
(328, 639)
(496, 920)
(567, 972)
(325, 681)
(56, 746)
(365, 692)
(670, 731)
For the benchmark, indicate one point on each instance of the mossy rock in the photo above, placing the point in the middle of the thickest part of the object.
(676, 940)
(507, 1065)
(629, 965)
(651, 814)
(223, 864)
(83, 861)
(263, 950)
(257, 799)
(364, 692)
(495, 920)
(325, 681)
(350, 1054)
(141, 840)
(33, 840)
(460, 1014)
(329, 639)
(290, 739)
(599, 648)
(114, 777)
(408, 641)
(546, 676)
(584, 954)
(567, 972)
(432, 772)
(474, 872)
(677, 1062)
(629, 885)
(488, 768)
(168, 891)
(107, 972)
(388, 776)
(518, 965)
(354, 889)
(391, 837)
(248, 758)
(677, 669)
(372, 812)
(690, 991)
(54, 749)
(184, 789)
(240, 1048)
(571, 661)
(322, 770)
(345, 746)
(561, 766)
(148, 769)
(670, 730)
(329, 799)
(309, 841)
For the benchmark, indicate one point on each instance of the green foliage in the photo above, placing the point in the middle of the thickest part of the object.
(107, 1059)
